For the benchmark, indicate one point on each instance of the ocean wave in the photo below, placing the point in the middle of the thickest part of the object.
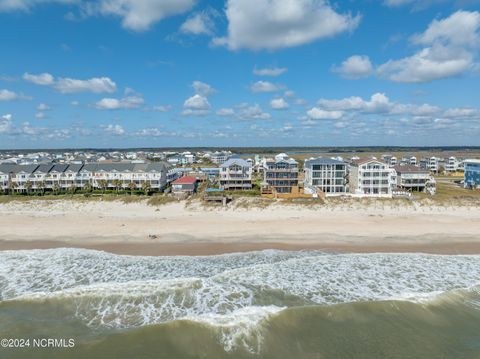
(234, 293)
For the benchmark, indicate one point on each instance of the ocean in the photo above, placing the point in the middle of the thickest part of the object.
(266, 304)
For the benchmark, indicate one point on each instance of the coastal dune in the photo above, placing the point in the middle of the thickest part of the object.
(180, 229)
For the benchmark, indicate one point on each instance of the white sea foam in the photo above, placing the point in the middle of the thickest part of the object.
(233, 293)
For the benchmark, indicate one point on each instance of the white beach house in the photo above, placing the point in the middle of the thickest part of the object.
(370, 177)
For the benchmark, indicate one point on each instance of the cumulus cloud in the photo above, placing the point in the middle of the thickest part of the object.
(275, 24)
(270, 71)
(279, 104)
(355, 67)
(95, 85)
(197, 105)
(451, 45)
(128, 102)
(116, 130)
(6, 125)
(203, 89)
(7, 95)
(40, 79)
(264, 86)
(198, 24)
(226, 112)
(136, 15)
(162, 108)
(319, 114)
(43, 107)
(252, 112)
(69, 85)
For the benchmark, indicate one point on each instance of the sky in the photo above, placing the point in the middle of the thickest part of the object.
(233, 73)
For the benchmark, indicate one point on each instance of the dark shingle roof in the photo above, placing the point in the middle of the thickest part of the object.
(323, 161)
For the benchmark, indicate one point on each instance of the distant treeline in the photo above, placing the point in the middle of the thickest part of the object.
(261, 150)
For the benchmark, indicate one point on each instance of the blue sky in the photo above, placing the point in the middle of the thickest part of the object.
(145, 73)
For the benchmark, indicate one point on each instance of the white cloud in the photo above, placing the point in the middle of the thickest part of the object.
(128, 102)
(203, 89)
(226, 112)
(355, 67)
(197, 105)
(460, 28)
(451, 45)
(6, 125)
(95, 85)
(252, 112)
(162, 108)
(264, 86)
(43, 107)
(275, 24)
(40, 79)
(379, 103)
(319, 114)
(116, 130)
(279, 104)
(270, 71)
(198, 24)
(40, 115)
(6, 95)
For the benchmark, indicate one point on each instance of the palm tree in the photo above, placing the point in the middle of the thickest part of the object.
(55, 188)
(117, 183)
(11, 187)
(87, 187)
(41, 186)
(103, 185)
(132, 187)
(72, 188)
(28, 186)
(146, 187)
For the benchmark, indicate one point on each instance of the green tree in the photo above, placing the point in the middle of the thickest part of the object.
(146, 187)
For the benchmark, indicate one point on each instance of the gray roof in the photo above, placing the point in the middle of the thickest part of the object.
(410, 169)
(44, 168)
(323, 161)
(7, 167)
(235, 161)
(127, 167)
(24, 168)
(59, 167)
(74, 168)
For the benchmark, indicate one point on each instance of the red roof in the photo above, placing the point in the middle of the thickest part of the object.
(185, 180)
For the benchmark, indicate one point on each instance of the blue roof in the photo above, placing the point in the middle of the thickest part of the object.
(214, 190)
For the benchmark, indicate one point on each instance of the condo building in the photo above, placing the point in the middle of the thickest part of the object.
(281, 173)
(236, 174)
(56, 177)
(371, 177)
(327, 175)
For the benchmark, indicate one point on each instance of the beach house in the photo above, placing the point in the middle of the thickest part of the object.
(236, 174)
(21, 177)
(472, 173)
(184, 185)
(281, 173)
(413, 178)
(327, 175)
(5, 170)
(370, 177)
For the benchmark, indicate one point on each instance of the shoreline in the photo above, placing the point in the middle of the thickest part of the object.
(175, 229)
(203, 248)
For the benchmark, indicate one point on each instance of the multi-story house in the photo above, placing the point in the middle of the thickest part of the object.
(5, 171)
(219, 157)
(236, 174)
(21, 177)
(413, 178)
(453, 164)
(430, 163)
(327, 175)
(39, 175)
(390, 160)
(471, 173)
(371, 177)
(280, 173)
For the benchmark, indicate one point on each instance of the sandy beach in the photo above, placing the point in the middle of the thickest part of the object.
(178, 229)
